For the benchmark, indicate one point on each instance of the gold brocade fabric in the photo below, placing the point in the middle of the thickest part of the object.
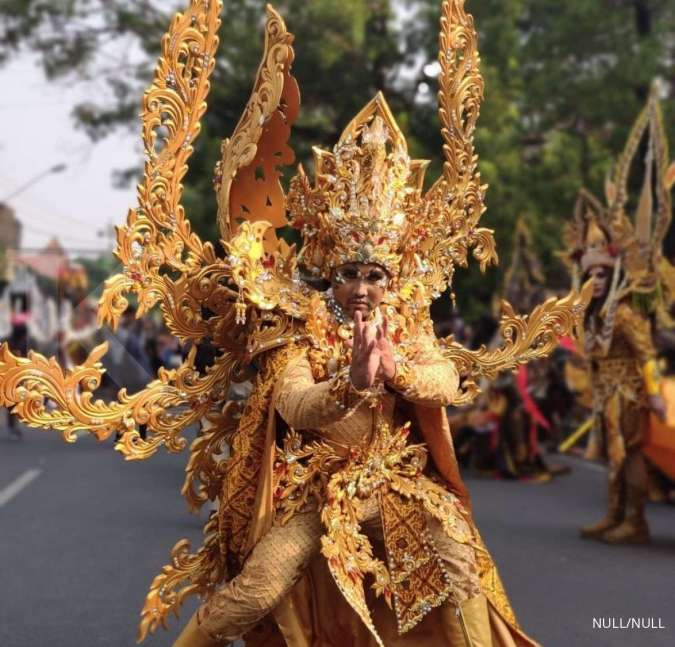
(241, 481)
(619, 395)
(620, 365)
(419, 579)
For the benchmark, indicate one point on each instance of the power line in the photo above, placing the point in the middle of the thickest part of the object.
(61, 216)
(53, 234)
(69, 250)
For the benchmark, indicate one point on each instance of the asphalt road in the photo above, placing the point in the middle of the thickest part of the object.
(82, 534)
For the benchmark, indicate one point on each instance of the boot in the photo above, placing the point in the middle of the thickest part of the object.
(634, 528)
(469, 624)
(615, 511)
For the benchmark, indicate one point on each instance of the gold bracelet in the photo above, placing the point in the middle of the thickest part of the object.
(652, 377)
(346, 395)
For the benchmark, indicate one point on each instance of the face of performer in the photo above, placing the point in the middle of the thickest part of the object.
(359, 287)
(600, 277)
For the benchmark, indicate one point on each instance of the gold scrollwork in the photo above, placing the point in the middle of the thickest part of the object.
(202, 571)
(526, 337)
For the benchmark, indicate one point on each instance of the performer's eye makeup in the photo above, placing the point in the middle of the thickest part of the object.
(350, 273)
(376, 277)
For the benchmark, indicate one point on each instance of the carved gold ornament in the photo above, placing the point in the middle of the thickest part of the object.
(252, 300)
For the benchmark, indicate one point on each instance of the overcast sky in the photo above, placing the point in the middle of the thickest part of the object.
(37, 133)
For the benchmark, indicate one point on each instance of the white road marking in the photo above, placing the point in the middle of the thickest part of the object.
(23, 481)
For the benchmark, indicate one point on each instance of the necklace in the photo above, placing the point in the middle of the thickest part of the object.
(336, 309)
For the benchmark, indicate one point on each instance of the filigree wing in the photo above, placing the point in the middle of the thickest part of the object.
(157, 242)
(526, 337)
(458, 196)
(247, 176)
(44, 395)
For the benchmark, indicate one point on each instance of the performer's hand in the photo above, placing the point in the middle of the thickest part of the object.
(387, 369)
(365, 354)
(658, 405)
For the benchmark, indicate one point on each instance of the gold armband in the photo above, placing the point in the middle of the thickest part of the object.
(404, 379)
(652, 377)
(346, 395)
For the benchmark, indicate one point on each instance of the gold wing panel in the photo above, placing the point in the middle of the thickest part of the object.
(460, 96)
(155, 239)
(247, 177)
(457, 198)
(44, 395)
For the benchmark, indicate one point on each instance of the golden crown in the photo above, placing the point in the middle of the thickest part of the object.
(365, 199)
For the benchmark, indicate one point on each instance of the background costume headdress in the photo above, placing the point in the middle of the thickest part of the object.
(524, 280)
(607, 234)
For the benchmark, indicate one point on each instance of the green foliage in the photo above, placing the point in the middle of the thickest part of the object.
(564, 82)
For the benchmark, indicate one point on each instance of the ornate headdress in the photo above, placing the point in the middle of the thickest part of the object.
(364, 204)
(367, 203)
(606, 235)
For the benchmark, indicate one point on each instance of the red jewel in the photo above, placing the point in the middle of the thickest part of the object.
(136, 276)
(355, 236)
(613, 250)
(268, 261)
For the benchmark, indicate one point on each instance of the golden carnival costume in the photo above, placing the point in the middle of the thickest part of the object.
(618, 341)
(325, 488)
